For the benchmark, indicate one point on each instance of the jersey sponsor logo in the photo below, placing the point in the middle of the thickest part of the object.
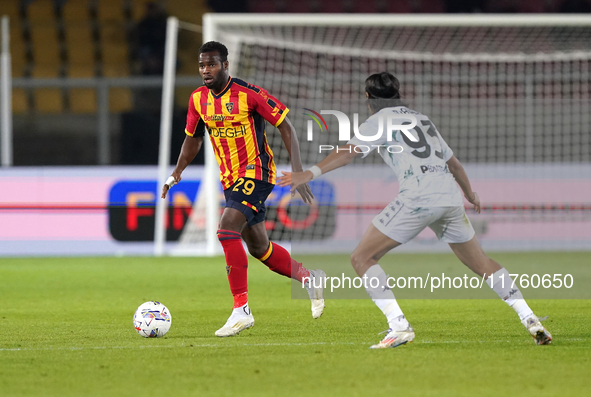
(227, 132)
(230, 106)
(218, 117)
(205, 103)
(433, 168)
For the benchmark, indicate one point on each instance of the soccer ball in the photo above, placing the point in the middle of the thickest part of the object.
(152, 320)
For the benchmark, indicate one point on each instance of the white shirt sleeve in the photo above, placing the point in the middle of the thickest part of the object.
(445, 149)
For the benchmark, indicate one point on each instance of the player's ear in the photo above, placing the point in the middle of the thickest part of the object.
(367, 94)
(226, 65)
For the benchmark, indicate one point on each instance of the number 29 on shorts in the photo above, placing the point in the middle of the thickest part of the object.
(247, 187)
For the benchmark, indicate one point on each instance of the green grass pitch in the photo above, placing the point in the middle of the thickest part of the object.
(66, 330)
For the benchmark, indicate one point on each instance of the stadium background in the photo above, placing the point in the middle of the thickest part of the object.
(86, 78)
(88, 39)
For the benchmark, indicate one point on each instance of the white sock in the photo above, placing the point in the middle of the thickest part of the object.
(384, 298)
(241, 311)
(503, 286)
(522, 309)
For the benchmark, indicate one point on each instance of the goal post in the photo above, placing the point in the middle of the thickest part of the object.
(5, 94)
(510, 93)
(172, 25)
(208, 191)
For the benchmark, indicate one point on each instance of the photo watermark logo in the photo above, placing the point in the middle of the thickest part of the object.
(386, 124)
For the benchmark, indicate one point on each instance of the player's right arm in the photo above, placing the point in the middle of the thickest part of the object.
(190, 148)
(195, 131)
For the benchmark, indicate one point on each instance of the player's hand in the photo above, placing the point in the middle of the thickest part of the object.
(305, 192)
(284, 180)
(298, 182)
(166, 187)
(295, 179)
(475, 201)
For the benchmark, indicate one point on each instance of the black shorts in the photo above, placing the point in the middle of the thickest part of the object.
(248, 196)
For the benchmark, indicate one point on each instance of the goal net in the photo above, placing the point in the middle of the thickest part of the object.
(509, 93)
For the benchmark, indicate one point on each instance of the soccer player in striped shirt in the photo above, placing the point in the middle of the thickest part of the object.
(234, 113)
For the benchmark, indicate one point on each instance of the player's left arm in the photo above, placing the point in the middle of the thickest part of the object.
(457, 170)
(339, 157)
(276, 113)
(290, 140)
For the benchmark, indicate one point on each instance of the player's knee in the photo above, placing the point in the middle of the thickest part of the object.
(233, 220)
(227, 224)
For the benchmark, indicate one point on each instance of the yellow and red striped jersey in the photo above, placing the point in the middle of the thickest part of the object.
(235, 120)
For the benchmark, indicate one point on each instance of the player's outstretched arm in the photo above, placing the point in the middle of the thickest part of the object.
(190, 148)
(290, 140)
(457, 170)
(336, 159)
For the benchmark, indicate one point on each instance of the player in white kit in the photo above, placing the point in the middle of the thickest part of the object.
(427, 172)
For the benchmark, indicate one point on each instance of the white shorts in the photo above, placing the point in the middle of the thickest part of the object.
(402, 224)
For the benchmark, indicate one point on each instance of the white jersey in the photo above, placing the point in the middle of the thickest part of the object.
(420, 167)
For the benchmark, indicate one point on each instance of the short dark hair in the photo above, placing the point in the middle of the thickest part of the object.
(383, 91)
(218, 47)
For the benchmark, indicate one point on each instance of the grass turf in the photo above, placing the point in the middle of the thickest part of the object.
(67, 331)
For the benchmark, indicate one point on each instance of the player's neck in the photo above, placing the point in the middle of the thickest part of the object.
(222, 87)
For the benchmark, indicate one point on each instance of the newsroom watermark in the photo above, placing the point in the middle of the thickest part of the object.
(437, 282)
(402, 120)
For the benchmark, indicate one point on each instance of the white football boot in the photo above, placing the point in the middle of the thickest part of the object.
(395, 338)
(240, 319)
(537, 330)
(315, 288)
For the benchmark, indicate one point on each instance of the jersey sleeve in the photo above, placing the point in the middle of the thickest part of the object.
(445, 149)
(195, 125)
(268, 106)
